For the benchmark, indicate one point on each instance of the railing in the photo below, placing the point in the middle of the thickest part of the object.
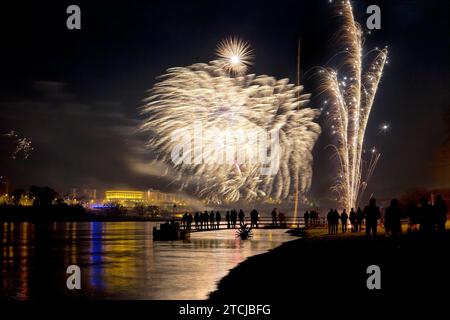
(266, 222)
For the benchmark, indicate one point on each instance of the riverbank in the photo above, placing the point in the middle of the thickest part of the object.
(320, 269)
(66, 213)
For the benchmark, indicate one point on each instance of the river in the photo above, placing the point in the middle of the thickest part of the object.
(119, 260)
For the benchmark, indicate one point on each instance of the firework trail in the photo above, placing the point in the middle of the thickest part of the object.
(228, 103)
(22, 145)
(350, 95)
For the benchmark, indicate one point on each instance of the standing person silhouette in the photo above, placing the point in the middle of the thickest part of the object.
(218, 218)
(353, 219)
(372, 214)
(190, 218)
(359, 219)
(205, 219)
(211, 220)
(254, 218)
(228, 218)
(306, 218)
(344, 218)
(201, 220)
(196, 219)
(335, 221)
(440, 208)
(274, 216)
(241, 216)
(330, 221)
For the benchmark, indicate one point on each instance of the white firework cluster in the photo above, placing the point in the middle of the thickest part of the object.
(350, 92)
(22, 145)
(229, 102)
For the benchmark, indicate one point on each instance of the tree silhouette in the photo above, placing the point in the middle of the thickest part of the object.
(42, 196)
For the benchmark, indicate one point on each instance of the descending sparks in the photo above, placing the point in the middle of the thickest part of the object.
(230, 104)
(350, 93)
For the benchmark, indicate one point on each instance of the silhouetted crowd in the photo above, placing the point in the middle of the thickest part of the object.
(424, 218)
(311, 218)
(211, 220)
(355, 218)
(278, 218)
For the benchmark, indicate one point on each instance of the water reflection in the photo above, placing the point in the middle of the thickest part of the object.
(119, 260)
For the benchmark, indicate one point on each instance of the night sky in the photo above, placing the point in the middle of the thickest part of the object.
(75, 93)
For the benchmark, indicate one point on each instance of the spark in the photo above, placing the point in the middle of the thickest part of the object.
(383, 128)
(350, 106)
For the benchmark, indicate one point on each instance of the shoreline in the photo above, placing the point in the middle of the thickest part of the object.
(86, 219)
(328, 266)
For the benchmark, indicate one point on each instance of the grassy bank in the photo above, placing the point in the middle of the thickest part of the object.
(317, 270)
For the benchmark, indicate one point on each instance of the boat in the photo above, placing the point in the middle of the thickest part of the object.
(169, 231)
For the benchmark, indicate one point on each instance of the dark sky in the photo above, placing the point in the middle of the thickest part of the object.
(76, 93)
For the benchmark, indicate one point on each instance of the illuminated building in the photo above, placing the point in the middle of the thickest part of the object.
(124, 197)
(150, 197)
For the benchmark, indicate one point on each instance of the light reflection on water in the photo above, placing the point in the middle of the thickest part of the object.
(119, 260)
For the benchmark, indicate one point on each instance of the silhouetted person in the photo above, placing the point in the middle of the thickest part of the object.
(233, 218)
(196, 220)
(189, 221)
(205, 220)
(330, 221)
(344, 219)
(201, 218)
(359, 219)
(335, 221)
(274, 216)
(440, 209)
(254, 218)
(241, 216)
(314, 218)
(306, 218)
(372, 214)
(218, 218)
(184, 220)
(228, 218)
(425, 216)
(353, 219)
(392, 218)
(211, 220)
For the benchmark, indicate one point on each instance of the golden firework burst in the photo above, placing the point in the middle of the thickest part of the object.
(234, 55)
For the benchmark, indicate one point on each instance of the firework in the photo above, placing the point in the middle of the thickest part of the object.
(229, 105)
(22, 145)
(234, 55)
(350, 92)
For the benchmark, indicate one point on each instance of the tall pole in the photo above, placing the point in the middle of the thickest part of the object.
(298, 107)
